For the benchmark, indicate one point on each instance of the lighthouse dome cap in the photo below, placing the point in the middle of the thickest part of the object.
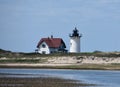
(75, 32)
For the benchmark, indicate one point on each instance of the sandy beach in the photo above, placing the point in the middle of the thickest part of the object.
(64, 62)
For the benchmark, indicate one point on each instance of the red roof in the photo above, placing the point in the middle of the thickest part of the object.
(52, 42)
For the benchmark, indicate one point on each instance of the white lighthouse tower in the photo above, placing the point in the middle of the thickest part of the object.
(75, 41)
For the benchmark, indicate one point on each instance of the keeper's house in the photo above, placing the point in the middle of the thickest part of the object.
(51, 45)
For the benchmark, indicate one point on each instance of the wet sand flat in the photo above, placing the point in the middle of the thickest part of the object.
(40, 82)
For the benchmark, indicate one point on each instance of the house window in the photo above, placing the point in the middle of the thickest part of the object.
(43, 52)
(43, 45)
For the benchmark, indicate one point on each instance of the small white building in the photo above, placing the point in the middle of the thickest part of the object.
(51, 45)
(75, 41)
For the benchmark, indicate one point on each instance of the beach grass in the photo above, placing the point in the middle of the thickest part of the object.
(18, 58)
(10, 54)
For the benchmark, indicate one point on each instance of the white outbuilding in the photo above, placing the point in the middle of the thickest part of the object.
(75, 41)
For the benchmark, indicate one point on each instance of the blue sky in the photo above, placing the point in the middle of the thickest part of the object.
(24, 22)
